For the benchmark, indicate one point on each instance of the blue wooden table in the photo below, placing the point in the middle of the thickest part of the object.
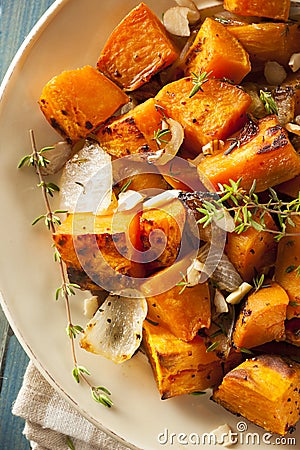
(17, 17)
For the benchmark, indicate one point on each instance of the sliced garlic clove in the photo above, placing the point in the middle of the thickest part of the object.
(275, 73)
(237, 296)
(176, 21)
(224, 220)
(294, 62)
(161, 199)
(194, 14)
(115, 331)
(129, 200)
(220, 302)
(223, 435)
(293, 128)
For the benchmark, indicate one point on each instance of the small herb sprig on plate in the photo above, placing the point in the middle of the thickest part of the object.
(268, 101)
(248, 211)
(37, 160)
(198, 80)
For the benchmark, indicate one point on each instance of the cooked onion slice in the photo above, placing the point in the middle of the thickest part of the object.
(115, 331)
(219, 268)
(86, 184)
(166, 154)
(57, 157)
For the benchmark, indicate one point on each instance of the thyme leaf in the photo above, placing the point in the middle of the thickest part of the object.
(268, 101)
(101, 395)
(158, 136)
(198, 80)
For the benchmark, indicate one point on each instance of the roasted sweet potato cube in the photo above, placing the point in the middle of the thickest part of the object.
(291, 187)
(133, 132)
(182, 311)
(252, 250)
(77, 101)
(98, 246)
(278, 9)
(262, 317)
(287, 268)
(263, 153)
(292, 330)
(208, 114)
(216, 49)
(268, 41)
(265, 390)
(129, 59)
(161, 234)
(182, 367)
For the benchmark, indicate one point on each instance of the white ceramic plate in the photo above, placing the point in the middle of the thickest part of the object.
(70, 35)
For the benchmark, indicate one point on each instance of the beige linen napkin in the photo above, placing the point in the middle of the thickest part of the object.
(51, 422)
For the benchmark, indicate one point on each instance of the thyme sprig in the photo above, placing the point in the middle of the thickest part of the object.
(198, 80)
(258, 282)
(158, 136)
(268, 101)
(248, 211)
(184, 283)
(37, 160)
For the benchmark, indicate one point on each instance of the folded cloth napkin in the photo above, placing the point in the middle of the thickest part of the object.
(51, 423)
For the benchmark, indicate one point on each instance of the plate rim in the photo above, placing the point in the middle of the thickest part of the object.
(20, 57)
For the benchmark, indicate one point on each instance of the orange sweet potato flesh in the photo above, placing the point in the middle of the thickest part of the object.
(265, 390)
(262, 318)
(291, 187)
(182, 367)
(161, 233)
(215, 49)
(182, 311)
(207, 115)
(77, 101)
(287, 267)
(252, 250)
(268, 41)
(86, 241)
(131, 60)
(278, 9)
(133, 132)
(265, 154)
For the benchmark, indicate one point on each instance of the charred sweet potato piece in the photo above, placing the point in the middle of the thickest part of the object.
(278, 9)
(92, 244)
(291, 187)
(268, 41)
(262, 317)
(287, 268)
(292, 330)
(215, 49)
(182, 367)
(129, 60)
(182, 311)
(265, 390)
(252, 250)
(161, 233)
(147, 182)
(77, 101)
(133, 132)
(263, 153)
(208, 114)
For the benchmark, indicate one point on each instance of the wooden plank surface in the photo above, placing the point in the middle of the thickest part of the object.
(17, 17)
